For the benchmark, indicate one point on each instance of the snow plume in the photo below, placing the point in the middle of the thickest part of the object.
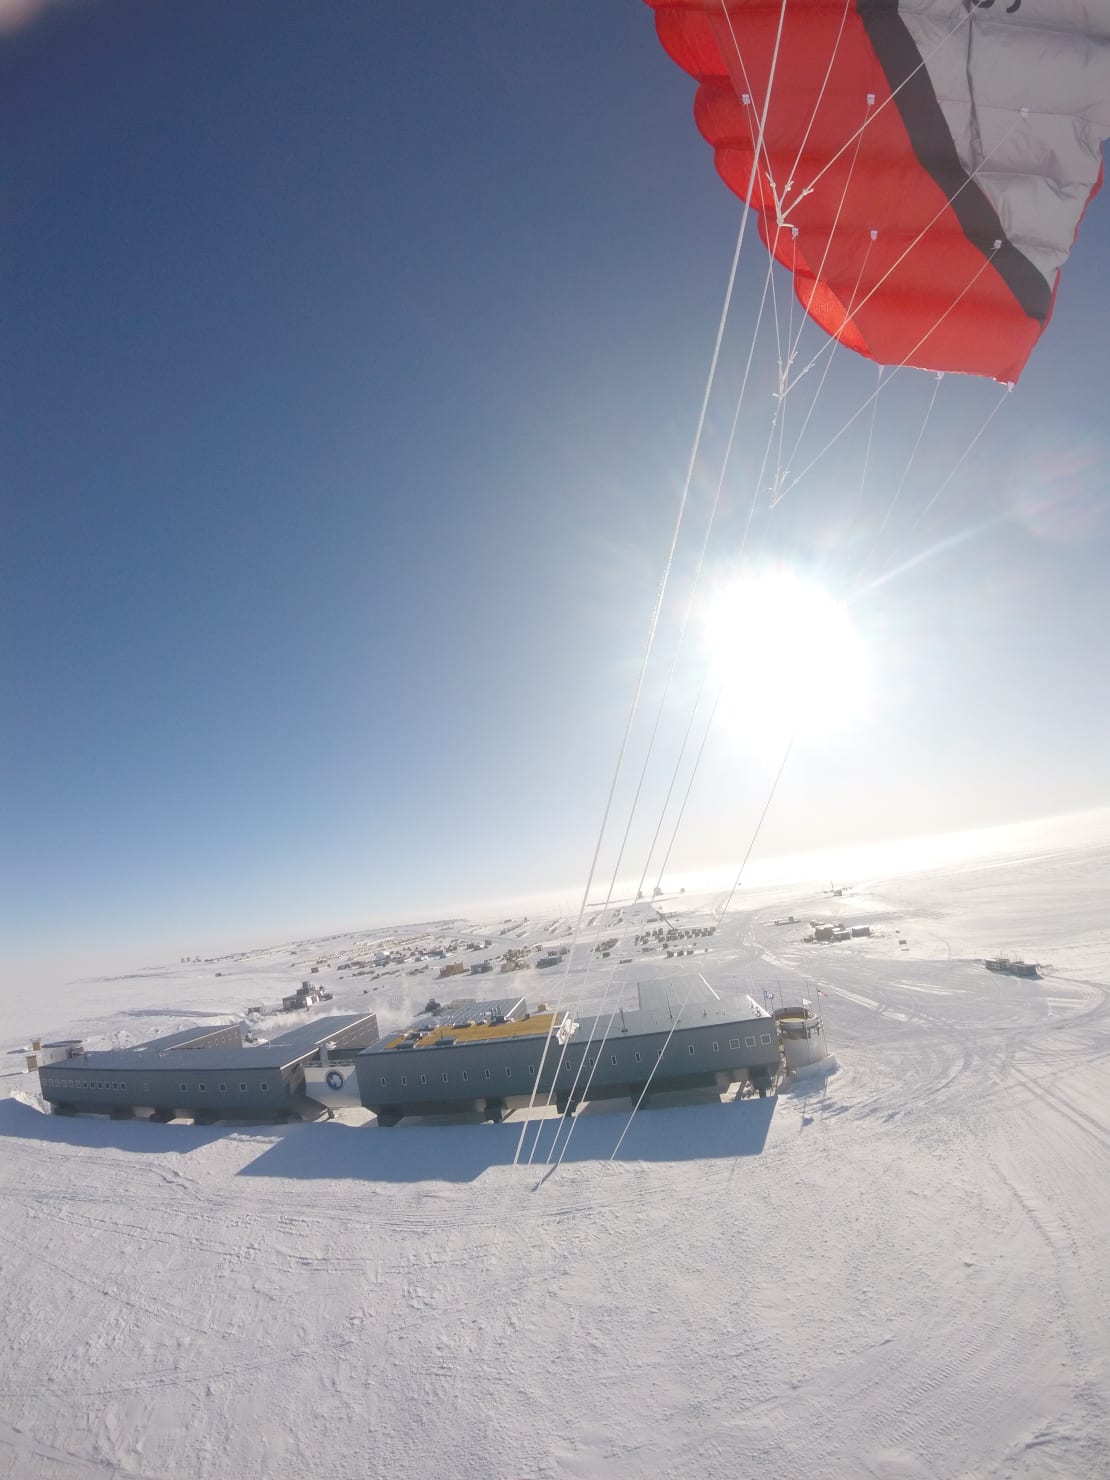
(17, 13)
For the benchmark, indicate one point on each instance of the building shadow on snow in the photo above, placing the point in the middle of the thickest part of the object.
(21, 1121)
(416, 1152)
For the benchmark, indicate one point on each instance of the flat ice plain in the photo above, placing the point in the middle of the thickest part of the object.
(898, 1270)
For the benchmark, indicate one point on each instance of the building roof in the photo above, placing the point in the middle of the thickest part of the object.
(499, 1018)
(310, 1035)
(194, 1035)
(300, 1043)
(660, 1012)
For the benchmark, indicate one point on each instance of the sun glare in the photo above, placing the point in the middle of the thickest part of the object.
(788, 658)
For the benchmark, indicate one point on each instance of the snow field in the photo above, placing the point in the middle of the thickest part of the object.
(898, 1269)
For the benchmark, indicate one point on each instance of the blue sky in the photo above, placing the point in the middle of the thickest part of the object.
(352, 357)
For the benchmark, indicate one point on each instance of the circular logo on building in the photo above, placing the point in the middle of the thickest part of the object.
(335, 1079)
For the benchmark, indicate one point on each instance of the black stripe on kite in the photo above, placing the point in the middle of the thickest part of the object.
(897, 54)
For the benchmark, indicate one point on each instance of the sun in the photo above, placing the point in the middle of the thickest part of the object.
(787, 656)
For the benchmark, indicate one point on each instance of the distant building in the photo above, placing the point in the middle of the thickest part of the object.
(304, 997)
(50, 1053)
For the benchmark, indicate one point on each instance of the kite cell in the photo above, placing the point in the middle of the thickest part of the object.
(924, 164)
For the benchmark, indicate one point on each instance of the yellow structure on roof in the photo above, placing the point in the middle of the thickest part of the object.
(536, 1022)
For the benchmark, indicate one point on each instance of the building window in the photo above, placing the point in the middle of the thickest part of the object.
(764, 1037)
(612, 1058)
(748, 1043)
(202, 1089)
(465, 1075)
(223, 1089)
(404, 1080)
(423, 1079)
(242, 1086)
(264, 1086)
(689, 1048)
(508, 1072)
(487, 1073)
(445, 1079)
(146, 1086)
(184, 1088)
(384, 1082)
(531, 1068)
(637, 1058)
(716, 1049)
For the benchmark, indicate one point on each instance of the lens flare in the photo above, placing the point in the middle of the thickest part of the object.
(788, 657)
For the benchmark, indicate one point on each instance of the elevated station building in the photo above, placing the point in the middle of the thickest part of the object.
(207, 1074)
(490, 1057)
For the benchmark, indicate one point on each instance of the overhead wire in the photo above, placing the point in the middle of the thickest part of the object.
(652, 629)
(718, 492)
(921, 66)
(710, 380)
(690, 785)
(779, 480)
(788, 187)
(759, 152)
(651, 1075)
(870, 436)
(779, 492)
(884, 383)
(968, 450)
(913, 455)
(757, 829)
(832, 343)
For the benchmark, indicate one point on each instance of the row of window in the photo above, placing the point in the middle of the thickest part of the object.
(384, 1081)
(73, 1081)
(570, 1068)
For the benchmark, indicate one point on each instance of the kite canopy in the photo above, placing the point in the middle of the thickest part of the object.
(925, 164)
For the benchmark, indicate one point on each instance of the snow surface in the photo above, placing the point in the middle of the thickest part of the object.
(898, 1268)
